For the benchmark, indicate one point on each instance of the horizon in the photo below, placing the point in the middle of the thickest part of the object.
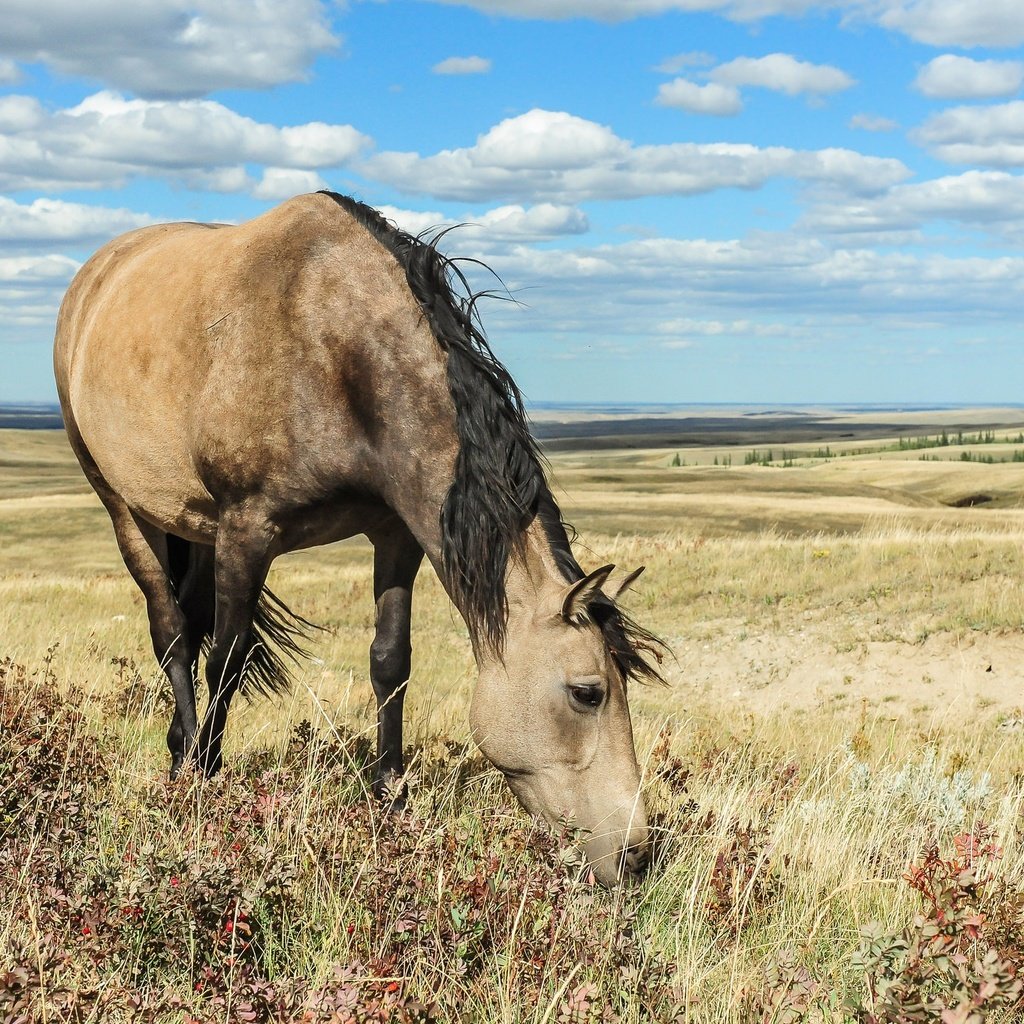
(735, 202)
(925, 406)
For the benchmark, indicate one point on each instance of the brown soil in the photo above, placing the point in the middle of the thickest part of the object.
(944, 676)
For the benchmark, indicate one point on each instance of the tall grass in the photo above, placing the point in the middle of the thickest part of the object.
(279, 889)
(812, 864)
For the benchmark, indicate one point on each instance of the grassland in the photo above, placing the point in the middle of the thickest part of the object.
(846, 691)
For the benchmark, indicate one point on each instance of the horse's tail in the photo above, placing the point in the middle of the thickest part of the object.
(279, 635)
(280, 638)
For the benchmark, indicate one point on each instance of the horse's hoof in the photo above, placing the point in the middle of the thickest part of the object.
(392, 795)
(396, 806)
(210, 766)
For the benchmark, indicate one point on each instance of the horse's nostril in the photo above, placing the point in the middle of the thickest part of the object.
(636, 859)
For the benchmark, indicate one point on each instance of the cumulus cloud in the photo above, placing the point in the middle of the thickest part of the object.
(170, 48)
(31, 288)
(546, 140)
(49, 222)
(550, 156)
(872, 123)
(996, 23)
(37, 269)
(626, 10)
(652, 286)
(693, 59)
(107, 139)
(713, 98)
(685, 327)
(9, 72)
(513, 223)
(990, 201)
(991, 135)
(462, 66)
(777, 71)
(952, 77)
(782, 72)
(285, 182)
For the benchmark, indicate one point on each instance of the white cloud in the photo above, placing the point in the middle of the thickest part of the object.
(534, 223)
(170, 48)
(20, 113)
(782, 72)
(9, 72)
(777, 71)
(45, 222)
(693, 59)
(416, 222)
(952, 77)
(513, 223)
(285, 182)
(872, 123)
(965, 23)
(107, 139)
(37, 269)
(545, 140)
(686, 326)
(746, 286)
(462, 66)
(713, 98)
(547, 156)
(991, 135)
(626, 10)
(990, 201)
(31, 288)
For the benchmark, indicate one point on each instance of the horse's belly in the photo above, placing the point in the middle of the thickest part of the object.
(143, 456)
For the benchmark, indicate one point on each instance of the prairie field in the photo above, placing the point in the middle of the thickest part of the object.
(834, 768)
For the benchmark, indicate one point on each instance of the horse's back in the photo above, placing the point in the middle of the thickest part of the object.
(195, 362)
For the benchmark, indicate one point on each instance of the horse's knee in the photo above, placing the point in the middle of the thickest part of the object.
(168, 631)
(390, 661)
(225, 664)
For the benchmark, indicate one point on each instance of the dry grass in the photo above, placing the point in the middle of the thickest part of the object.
(788, 825)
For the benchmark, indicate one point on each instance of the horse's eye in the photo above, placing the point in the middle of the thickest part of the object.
(587, 697)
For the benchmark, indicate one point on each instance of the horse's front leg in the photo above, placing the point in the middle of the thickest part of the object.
(396, 560)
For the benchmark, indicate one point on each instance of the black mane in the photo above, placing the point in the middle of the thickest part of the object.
(499, 486)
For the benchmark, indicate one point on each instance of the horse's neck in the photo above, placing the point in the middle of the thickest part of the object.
(534, 583)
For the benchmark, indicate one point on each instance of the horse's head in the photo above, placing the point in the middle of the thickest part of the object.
(551, 713)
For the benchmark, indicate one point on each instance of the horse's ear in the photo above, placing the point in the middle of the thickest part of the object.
(582, 592)
(613, 593)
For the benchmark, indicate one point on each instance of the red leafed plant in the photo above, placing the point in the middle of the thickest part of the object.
(948, 965)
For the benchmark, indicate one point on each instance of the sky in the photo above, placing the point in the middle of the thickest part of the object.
(733, 201)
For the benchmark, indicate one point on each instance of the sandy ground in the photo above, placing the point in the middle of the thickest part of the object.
(943, 676)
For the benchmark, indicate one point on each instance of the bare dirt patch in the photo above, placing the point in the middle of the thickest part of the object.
(944, 677)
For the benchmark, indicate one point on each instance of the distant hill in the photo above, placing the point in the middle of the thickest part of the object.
(30, 417)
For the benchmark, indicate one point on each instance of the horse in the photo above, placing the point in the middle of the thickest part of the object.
(234, 392)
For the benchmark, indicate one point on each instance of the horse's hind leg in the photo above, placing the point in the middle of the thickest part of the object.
(144, 550)
(145, 553)
(396, 560)
(241, 560)
(191, 571)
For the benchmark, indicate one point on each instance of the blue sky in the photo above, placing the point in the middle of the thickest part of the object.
(757, 201)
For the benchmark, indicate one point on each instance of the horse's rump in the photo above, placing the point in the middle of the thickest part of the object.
(201, 365)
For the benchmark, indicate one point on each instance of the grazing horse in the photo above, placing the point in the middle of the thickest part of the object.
(236, 392)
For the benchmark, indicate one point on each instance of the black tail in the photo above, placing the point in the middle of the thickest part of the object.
(279, 634)
(280, 637)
